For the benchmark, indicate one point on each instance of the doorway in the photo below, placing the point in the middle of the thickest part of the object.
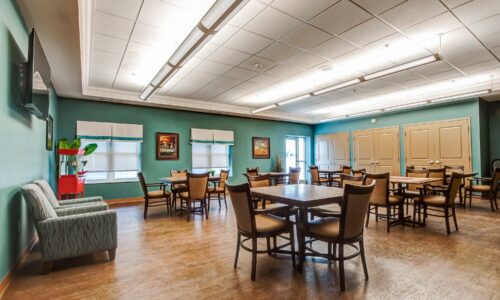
(296, 154)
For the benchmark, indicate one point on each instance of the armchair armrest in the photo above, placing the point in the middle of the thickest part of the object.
(155, 184)
(81, 200)
(479, 179)
(277, 209)
(76, 235)
(432, 189)
(68, 210)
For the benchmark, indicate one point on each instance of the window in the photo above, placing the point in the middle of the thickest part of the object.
(113, 161)
(211, 157)
(296, 154)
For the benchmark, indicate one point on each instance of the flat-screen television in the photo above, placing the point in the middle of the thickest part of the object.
(37, 75)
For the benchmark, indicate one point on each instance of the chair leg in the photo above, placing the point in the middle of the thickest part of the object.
(470, 198)
(218, 198)
(491, 201)
(225, 202)
(341, 267)
(292, 245)
(414, 213)
(238, 243)
(447, 217)
(368, 215)
(112, 254)
(254, 258)
(363, 258)
(146, 205)
(204, 203)
(495, 199)
(388, 218)
(268, 240)
(454, 217)
(188, 209)
(47, 267)
(460, 198)
(376, 213)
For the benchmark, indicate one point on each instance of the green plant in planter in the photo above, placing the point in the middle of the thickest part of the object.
(76, 144)
(212, 172)
(279, 165)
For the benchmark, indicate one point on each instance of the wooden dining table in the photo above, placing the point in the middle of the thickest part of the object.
(302, 196)
(275, 176)
(183, 179)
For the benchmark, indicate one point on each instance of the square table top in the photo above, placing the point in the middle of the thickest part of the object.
(273, 174)
(183, 179)
(413, 180)
(301, 195)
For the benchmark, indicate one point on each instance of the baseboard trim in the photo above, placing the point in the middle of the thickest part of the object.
(125, 201)
(7, 279)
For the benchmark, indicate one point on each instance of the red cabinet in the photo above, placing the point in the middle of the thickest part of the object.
(71, 177)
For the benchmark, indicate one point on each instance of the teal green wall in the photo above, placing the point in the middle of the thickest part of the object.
(23, 155)
(164, 120)
(455, 110)
(494, 122)
(484, 137)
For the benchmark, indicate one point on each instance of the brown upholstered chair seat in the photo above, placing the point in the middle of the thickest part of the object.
(479, 188)
(321, 179)
(184, 195)
(325, 227)
(269, 223)
(158, 194)
(434, 200)
(411, 194)
(325, 209)
(217, 189)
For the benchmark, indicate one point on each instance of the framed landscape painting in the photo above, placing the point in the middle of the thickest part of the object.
(261, 147)
(49, 133)
(167, 146)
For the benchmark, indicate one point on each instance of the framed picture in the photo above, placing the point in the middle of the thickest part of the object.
(261, 147)
(49, 133)
(167, 146)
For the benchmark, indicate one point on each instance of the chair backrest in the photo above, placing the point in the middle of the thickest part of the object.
(314, 174)
(358, 172)
(454, 186)
(495, 178)
(47, 190)
(380, 193)
(197, 185)
(252, 171)
(354, 209)
(348, 179)
(438, 173)
(454, 169)
(259, 180)
(242, 206)
(495, 164)
(420, 173)
(143, 183)
(294, 176)
(346, 170)
(39, 206)
(224, 174)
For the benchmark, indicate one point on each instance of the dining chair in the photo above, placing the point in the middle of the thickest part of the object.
(346, 229)
(456, 169)
(176, 189)
(438, 173)
(219, 188)
(485, 185)
(494, 164)
(315, 178)
(382, 197)
(154, 198)
(294, 175)
(439, 199)
(197, 185)
(411, 192)
(254, 224)
(252, 171)
(259, 181)
(329, 210)
(358, 172)
(345, 170)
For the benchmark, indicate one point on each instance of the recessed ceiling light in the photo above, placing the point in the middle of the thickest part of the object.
(133, 74)
(258, 66)
(325, 68)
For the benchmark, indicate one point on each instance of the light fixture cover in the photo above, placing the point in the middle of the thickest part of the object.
(264, 108)
(337, 86)
(147, 92)
(295, 99)
(405, 66)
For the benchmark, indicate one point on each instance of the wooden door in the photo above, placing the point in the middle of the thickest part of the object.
(386, 155)
(364, 156)
(322, 155)
(339, 150)
(452, 144)
(419, 145)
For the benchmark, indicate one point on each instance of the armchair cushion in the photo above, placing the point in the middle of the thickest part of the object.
(480, 188)
(81, 200)
(268, 223)
(434, 200)
(77, 235)
(47, 190)
(157, 194)
(38, 205)
(326, 227)
(67, 210)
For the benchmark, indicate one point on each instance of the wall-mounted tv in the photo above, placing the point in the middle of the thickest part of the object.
(36, 96)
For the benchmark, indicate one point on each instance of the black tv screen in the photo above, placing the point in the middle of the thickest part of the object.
(36, 98)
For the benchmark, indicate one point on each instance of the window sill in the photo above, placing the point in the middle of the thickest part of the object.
(105, 181)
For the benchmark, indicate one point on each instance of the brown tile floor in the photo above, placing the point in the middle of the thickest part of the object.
(168, 258)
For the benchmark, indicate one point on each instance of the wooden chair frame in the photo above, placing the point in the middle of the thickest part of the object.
(203, 208)
(152, 202)
(493, 192)
(219, 193)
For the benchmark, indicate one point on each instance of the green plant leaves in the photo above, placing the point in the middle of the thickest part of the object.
(64, 144)
(90, 148)
(76, 144)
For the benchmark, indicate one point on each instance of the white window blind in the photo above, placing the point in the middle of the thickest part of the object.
(210, 156)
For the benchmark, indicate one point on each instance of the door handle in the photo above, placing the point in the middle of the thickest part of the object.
(376, 162)
(431, 162)
(438, 162)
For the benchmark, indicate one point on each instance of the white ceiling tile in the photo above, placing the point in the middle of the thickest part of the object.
(264, 64)
(273, 24)
(304, 61)
(111, 25)
(443, 76)
(454, 3)
(240, 73)
(412, 12)
(363, 61)
(265, 79)
(148, 66)
(340, 17)
(459, 43)
(200, 77)
(109, 43)
(283, 71)
(248, 42)
(367, 32)
(486, 27)
(477, 10)
(224, 34)
(267, 2)
(301, 9)
(101, 80)
(481, 67)
(207, 50)
(247, 13)
(432, 68)
(333, 48)
(279, 52)
(106, 58)
(378, 6)
(496, 51)
(401, 77)
(431, 28)
(213, 67)
(472, 58)
(127, 9)
(185, 88)
(306, 37)
(127, 80)
(145, 52)
(154, 37)
(228, 56)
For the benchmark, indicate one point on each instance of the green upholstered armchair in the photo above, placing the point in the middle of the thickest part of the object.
(72, 234)
(71, 207)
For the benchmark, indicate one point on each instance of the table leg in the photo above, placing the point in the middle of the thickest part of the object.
(301, 227)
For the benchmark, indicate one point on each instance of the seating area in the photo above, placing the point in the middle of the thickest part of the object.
(249, 149)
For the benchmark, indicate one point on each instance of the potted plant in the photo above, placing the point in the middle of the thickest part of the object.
(71, 163)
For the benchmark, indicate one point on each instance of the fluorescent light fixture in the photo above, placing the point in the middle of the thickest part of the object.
(295, 99)
(406, 66)
(333, 119)
(218, 15)
(404, 106)
(337, 86)
(264, 108)
(147, 92)
(459, 96)
(365, 113)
